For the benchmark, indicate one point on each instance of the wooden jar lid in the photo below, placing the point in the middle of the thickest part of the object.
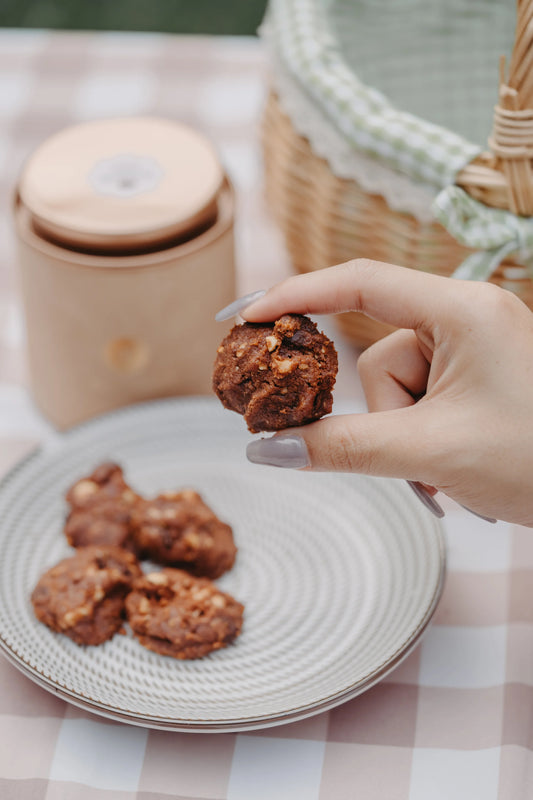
(122, 184)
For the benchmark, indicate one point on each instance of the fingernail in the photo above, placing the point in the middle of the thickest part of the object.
(279, 451)
(426, 499)
(238, 305)
(481, 516)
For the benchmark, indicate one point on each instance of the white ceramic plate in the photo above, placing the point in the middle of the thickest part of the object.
(339, 574)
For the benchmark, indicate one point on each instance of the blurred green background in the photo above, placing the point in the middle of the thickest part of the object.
(228, 17)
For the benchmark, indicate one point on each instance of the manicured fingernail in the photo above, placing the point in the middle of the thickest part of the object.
(238, 305)
(481, 516)
(279, 451)
(426, 499)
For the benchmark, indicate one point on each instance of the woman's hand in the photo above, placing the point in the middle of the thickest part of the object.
(450, 394)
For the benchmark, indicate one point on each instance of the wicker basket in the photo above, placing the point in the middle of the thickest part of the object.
(328, 219)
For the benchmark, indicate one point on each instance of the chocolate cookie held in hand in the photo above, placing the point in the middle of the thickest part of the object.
(277, 375)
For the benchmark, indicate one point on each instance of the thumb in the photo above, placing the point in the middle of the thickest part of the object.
(384, 443)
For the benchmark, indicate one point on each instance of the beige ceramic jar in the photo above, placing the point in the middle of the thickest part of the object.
(125, 234)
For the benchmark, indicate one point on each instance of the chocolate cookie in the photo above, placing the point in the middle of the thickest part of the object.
(83, 596)
(108, 522)
(179, 529)
(277, 375)
(175, 614)
(105, 483)
(102, 506)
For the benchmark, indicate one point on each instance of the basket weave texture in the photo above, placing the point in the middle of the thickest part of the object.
(328, 218)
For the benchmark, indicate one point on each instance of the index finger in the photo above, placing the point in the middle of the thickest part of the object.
(400, 296)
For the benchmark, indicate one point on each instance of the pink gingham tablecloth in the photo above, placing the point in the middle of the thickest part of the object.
(455, 720)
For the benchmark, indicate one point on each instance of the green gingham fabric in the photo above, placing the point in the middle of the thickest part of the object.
(411, 145)
(427, 153)
(493, 232)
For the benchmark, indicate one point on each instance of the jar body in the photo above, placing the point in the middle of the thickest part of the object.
(106, 331)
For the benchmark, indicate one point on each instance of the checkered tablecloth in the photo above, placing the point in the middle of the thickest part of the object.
(455, 720)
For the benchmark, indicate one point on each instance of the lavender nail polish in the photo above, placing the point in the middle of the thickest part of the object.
(426, 499)
(480, 516)
(279, 451)
(238, 305)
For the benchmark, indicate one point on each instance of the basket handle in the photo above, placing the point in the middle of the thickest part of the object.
(503, 177)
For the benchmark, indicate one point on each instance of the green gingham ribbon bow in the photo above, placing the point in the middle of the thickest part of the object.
(495, 233)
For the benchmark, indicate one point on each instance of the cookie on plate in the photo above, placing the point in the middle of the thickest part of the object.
(83, 596)
(175, 614)
(106, 482)
(278, 374)
(179, 529)
(101, 509)
(107, 522)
